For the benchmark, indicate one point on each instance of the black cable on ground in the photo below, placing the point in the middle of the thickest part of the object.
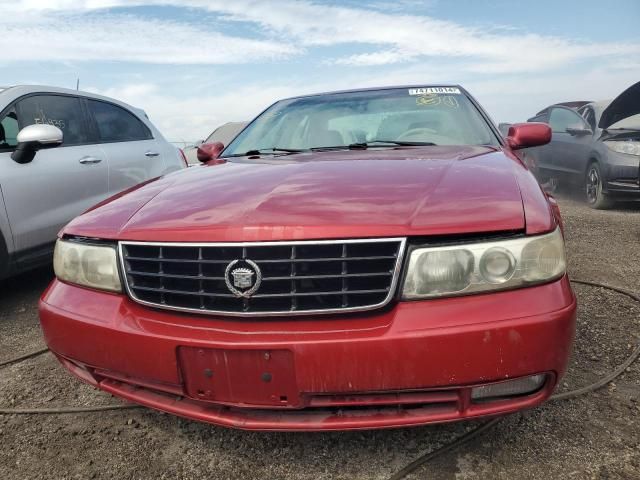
(57, 410)
(618, 371)
(63, 410)
(24, 357)
(417, 463)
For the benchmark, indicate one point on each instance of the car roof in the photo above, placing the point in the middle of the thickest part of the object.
(574, 104)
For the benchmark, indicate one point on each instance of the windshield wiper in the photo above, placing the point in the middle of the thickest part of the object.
(398, 142)
(274, 150)
(373, 143)
(352, 146)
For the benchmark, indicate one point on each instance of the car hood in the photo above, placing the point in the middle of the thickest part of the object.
(373, 193)
(623, 106)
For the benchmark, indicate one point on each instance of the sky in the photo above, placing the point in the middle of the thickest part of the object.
(196, 64)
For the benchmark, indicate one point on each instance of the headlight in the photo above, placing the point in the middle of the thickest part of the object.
(88, 265)
(480, 267)
(629, 147)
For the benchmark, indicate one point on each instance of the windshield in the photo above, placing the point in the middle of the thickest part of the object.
(428, 115)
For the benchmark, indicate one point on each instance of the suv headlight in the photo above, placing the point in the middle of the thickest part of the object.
(480, 267)
(94, 266)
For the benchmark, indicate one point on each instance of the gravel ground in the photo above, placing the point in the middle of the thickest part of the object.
(595, 436)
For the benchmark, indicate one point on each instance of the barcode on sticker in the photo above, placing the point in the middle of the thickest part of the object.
(428, 90)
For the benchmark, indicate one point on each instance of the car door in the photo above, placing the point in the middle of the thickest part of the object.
(60, 183)
(570, 142)
(133, 154)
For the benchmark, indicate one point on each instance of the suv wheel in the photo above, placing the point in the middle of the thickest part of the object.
(593, 188)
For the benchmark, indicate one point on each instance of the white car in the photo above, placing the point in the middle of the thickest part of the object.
(61, 152)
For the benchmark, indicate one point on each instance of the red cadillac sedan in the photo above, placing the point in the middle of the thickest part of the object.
(351, 260)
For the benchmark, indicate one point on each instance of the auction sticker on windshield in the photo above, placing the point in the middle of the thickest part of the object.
(427, 90)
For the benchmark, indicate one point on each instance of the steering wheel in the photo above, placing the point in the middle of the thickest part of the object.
(417, 132)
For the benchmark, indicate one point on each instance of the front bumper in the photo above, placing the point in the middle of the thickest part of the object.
(412, 364)
(623, 176)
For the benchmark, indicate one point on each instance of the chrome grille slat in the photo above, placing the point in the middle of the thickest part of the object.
(183, 292)
(279, 260)
(306, 277)
(308, 294)
(291, 277)
(166, 275)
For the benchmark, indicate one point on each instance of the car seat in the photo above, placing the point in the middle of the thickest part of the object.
(325, 138)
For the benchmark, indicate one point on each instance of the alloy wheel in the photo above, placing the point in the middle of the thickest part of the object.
(593, 184)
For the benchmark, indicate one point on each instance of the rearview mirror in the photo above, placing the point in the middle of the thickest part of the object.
(579, 132)
(523, 135)
(33, 138)
(209, 151)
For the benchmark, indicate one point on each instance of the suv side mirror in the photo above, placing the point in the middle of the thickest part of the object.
(579, 132)
(523, 135)
(33, 138)
(209, 151)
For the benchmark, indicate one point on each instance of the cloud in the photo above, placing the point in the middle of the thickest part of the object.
(388, 57)
(59, 37)
(513, 73)
(409, 37)
(395, 37)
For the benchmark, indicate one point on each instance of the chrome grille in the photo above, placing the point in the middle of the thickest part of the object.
(296, 277)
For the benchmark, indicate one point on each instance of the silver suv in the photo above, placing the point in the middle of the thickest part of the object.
(61, 152)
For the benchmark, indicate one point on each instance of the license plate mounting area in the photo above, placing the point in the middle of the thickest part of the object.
(258, 378)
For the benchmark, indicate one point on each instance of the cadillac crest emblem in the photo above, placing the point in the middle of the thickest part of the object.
(243, 278)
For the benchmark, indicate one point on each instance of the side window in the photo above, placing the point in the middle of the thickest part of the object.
(590, 117)
(61, 111)
(9, 131)
(563, 118)
(115, 124)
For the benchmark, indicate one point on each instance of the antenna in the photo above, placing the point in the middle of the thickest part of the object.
(78, 84)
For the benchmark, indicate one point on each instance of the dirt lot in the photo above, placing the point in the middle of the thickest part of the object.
(595, 436)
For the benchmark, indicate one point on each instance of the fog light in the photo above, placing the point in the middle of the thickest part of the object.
(510, 388)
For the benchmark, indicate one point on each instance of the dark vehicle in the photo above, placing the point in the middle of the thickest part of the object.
(595, 148)
(545, 111)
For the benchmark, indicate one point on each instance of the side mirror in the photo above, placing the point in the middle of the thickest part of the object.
(523, 135)
(579, 132)
(34, 138)
(209, 151)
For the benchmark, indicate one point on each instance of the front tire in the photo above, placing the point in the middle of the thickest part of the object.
(593, 188)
